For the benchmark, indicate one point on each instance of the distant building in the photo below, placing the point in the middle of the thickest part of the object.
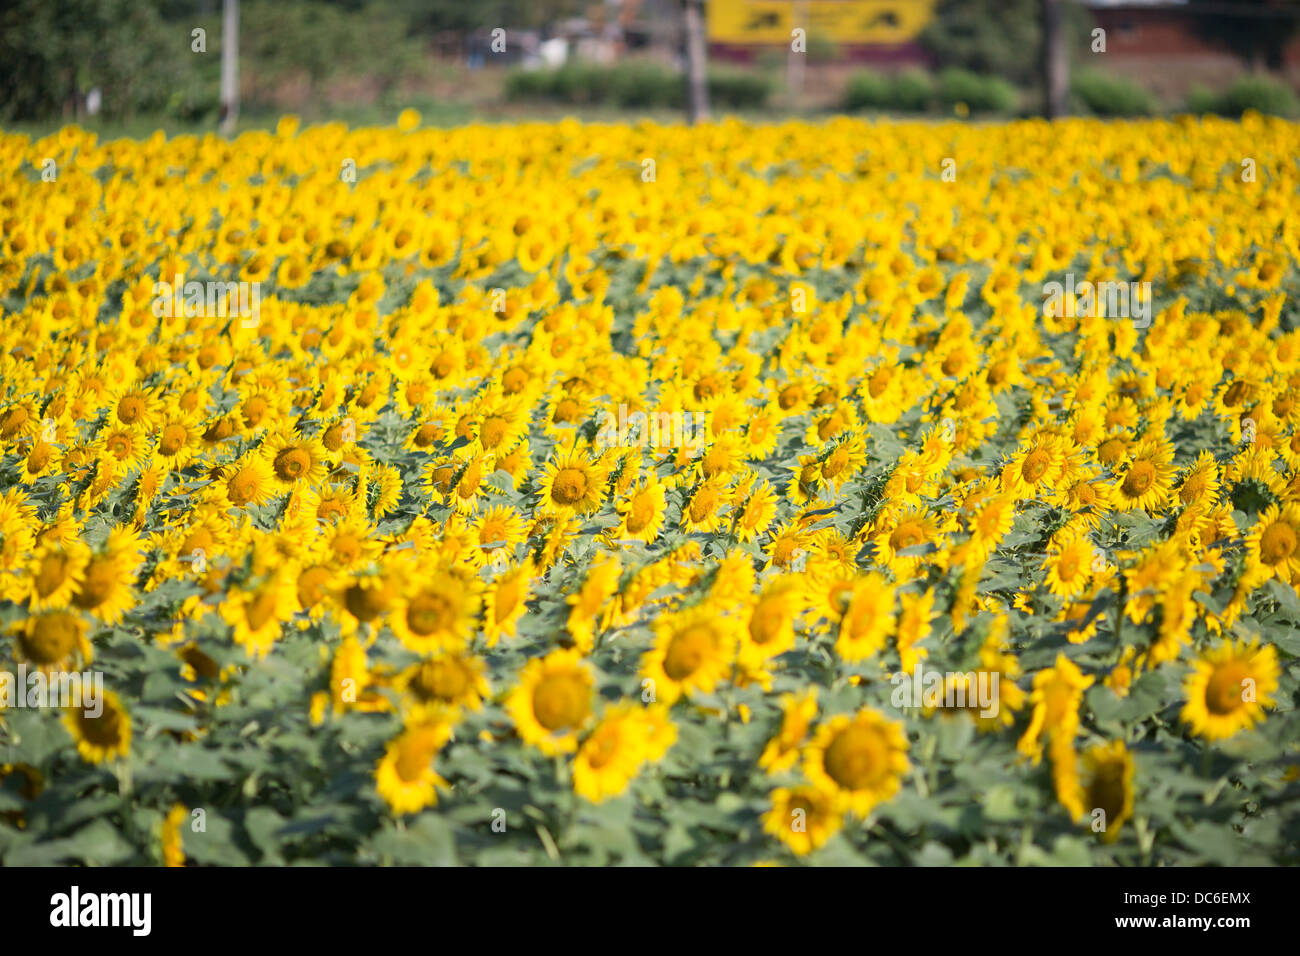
(1170, 44)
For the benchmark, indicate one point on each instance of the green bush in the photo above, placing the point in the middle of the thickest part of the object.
(634, 86)
(737, 89)
(912, 91)
(981, 94)
(867, 89)
(1260, 93)
(1111, 95)
(1201, 99)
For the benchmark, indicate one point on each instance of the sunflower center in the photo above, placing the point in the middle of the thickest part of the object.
(561, 700)
(129, 409)
(98, 585)
(292, 463)
(1034, 466)
(53, 571)
(766, 622)
(906, 536)
(430, 614)
(366, 603)
(427, 435)
(311, 585)
(601, 748)
(702, 504)
(641, 514)
(104, 730)
(1139, 479)
(1106, 791)
(836, 463)
(173, 439)
(52, 639)
(688, 650)
(413, 758)
(856, 758)
(1277, 543)
(569, 487)
(242, 488)
(493, 431)
(1223, 691)
(444, 680)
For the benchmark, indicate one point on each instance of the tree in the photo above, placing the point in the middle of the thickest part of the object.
(1257, 31)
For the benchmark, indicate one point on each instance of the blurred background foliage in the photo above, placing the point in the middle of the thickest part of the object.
(129, 65)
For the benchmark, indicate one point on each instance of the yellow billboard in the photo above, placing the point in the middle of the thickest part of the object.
(836, 21)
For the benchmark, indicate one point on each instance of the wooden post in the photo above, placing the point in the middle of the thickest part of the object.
(697, 79)
(1056, 69)
(229, 66)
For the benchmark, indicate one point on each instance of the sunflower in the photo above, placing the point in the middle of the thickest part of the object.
(247, 481)
(1145, 482)
(858, 760)
(438, 614)
(803, 818)
(295, 459)
(642, 511)
(133, 406)
(1036, 470)
(404, 776)
(753, 511)
(769, 631)
(499, 528)
(627, 737)
(103, 737)
(797, 715)
(1103, 796)
(571, 484)
(868, 619)
(693, 652)
(1229, 689)
(255, 612)
(450, 679)
(506, 601)
(1057, 693)
(55, 574)
(599, 586)
(106, 590)
(907, 538)
(553, 701)
(1271, 546)
(53, 640)
(173, 850)
(1069, 564)
(703, 511)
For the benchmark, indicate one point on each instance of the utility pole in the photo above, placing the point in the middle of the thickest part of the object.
(797, 57)
(1056, 69)
(229, 66)
(697, 80)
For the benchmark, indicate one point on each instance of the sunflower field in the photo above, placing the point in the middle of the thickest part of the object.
(588, 494)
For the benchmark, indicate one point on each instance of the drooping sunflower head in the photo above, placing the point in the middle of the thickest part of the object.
(53, 640)
(1108, 788)
(100, 736)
